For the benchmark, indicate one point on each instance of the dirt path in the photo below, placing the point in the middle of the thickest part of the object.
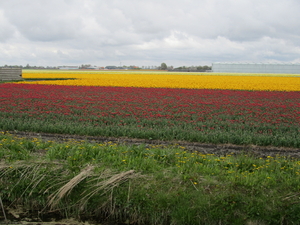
(221, 149)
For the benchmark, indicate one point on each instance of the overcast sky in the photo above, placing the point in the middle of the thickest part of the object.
(148, 32)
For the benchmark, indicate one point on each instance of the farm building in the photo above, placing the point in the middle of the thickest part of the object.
(289, 68)
(7, 73)
(68, 67)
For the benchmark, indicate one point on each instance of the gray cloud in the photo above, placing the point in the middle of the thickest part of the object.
(192, 32)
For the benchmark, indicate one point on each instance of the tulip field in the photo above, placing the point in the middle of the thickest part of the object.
(239, 109)
(148, 79)
(138, 181)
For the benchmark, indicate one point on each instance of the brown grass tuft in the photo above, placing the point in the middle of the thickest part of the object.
(67, 188)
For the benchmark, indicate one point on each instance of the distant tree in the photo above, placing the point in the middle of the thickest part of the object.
(206, 68)
(163, 66)
(84, 66)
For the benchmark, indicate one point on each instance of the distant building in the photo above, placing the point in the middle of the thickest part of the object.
(7, 73)
(111, 67)
(289, 68)
(68, 67)
(92, 68)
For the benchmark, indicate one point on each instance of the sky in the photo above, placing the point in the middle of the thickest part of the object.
(148, 32)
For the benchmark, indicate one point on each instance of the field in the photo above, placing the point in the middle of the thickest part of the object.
(148, 106)
(148, 183)
(148, 79)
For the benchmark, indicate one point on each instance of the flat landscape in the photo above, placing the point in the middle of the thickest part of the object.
(149, 147)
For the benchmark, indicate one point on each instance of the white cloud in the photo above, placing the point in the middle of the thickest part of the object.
(191, 32)
(6, 30)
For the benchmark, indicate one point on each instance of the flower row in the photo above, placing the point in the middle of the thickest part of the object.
(186, 114)
(171, 80)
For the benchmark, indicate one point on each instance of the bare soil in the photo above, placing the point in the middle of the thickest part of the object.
(20, 215)
(217, 149)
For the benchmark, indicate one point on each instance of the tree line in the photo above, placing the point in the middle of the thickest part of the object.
(164, 66)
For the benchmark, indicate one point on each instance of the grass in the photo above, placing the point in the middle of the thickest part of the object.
(34, 79)
(144, 184)
(37, 79)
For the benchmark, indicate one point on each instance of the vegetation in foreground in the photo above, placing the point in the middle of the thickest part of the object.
(147, 184)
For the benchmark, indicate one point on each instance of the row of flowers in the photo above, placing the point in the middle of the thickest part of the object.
(185, 111)
(189, 105)
(171, 80)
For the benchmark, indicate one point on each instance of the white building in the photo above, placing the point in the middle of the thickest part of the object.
(68, 67)
(289, 68)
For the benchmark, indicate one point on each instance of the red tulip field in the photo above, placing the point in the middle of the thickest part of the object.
(198, 115)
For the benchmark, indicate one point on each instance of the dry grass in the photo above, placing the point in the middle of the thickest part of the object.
(62, 186)
(67, 188)
(106, 182)
(101, 183)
